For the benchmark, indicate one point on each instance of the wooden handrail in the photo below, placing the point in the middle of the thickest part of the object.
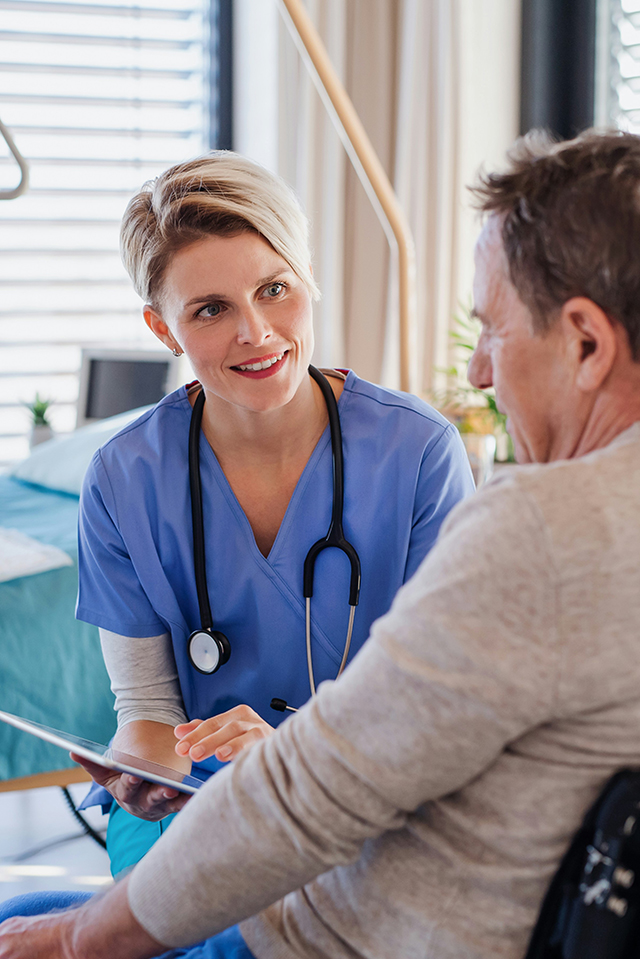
(368, 167)
(57, 777)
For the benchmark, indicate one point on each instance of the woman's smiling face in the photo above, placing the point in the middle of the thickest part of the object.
(241, 315)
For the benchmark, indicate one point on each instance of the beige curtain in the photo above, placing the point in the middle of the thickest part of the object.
(436, 85)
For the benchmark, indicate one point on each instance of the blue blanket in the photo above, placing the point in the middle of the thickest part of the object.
(51, 667)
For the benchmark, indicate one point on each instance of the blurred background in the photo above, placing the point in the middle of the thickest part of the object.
(100, 96)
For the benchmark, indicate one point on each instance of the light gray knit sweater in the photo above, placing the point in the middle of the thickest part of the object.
(419, 805)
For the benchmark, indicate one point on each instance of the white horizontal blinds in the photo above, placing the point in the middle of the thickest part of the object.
(624, 87)
(99, 97)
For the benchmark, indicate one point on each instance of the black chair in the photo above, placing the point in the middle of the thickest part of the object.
(592, 907)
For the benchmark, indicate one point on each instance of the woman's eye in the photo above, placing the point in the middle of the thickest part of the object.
(211, 309)
(275, 289)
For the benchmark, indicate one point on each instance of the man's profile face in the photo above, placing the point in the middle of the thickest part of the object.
(526, 369)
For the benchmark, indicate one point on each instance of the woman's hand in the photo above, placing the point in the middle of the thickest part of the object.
(143, 799)
(223, 736)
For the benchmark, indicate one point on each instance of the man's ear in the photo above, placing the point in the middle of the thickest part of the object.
(593, 341)
(158, 327)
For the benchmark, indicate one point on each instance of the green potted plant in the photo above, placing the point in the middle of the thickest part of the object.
(41, 429)
(473, 411)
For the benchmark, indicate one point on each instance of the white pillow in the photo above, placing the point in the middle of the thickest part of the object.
(60, 463)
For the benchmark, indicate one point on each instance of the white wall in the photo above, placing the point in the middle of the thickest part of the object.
(489, 106)
(255, 80)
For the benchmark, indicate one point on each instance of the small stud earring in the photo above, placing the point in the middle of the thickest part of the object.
(176, 352)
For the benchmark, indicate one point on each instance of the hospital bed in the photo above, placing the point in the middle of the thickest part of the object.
(51, 667)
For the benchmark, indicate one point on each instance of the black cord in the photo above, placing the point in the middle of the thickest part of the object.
(42, 847)
(89, 830)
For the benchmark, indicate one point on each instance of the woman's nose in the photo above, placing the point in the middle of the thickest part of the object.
(253, 328)
(479, 372)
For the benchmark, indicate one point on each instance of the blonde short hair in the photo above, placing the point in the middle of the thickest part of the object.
(219, 194)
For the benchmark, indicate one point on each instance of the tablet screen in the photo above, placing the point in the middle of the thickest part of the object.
(105, 755)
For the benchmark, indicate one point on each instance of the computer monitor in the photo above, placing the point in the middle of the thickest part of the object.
(114, 381)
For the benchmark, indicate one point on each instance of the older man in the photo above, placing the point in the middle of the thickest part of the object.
(418, 806)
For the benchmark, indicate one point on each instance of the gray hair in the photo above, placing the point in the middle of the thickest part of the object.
(571, 224)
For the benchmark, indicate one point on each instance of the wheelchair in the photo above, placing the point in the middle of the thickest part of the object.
(592, 907)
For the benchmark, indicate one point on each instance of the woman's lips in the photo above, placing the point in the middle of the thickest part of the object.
(261, 374)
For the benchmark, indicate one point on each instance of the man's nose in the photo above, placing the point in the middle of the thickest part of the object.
(479, 370)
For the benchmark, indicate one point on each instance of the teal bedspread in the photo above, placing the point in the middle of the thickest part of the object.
(51, 667)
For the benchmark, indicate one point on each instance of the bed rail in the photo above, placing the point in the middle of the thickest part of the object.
(57, 777)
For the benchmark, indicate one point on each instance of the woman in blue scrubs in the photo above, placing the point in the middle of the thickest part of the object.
(217, 249)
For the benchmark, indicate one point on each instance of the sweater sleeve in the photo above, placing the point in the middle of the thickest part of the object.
(464, 662)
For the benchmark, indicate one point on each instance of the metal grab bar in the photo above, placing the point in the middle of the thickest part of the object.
(368, 167)
(22, 163)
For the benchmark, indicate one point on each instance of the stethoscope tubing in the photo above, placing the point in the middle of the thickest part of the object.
(347, 645)
(334, 538)
(197, 514)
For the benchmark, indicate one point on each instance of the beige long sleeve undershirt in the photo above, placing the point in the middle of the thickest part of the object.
(144, 678)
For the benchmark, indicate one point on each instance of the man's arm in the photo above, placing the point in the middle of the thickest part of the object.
(104, 928)
(107, 929)
(464, 663)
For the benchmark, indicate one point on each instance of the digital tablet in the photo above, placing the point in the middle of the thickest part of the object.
(106, 756)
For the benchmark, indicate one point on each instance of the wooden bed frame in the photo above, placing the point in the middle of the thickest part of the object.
(59, 777)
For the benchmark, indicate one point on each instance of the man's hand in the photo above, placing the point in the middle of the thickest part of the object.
(223, 736)
(143, 799)
(103, 928)
(37, 937)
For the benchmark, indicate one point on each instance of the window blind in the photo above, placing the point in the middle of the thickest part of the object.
(624, 64)
(99, 97)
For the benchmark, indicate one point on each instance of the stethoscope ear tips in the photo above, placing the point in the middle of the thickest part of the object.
(280, 705)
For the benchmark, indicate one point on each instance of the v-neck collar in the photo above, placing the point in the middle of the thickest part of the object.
(296, 496)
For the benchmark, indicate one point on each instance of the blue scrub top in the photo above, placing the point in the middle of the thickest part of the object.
(405, 468)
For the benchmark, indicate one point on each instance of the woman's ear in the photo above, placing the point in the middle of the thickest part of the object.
(158, 327)
(593, 339)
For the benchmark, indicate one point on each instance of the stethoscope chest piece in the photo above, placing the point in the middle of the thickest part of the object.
(208, 650)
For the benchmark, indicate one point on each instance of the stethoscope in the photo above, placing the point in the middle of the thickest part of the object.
(208, 648)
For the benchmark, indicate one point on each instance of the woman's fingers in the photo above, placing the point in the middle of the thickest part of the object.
(191, 733)
(224, 726)
(184, 728)
(220, 743)
(104, 777)
(150, 803)
(224, 736)
(233, 747)
(125, 784)
(137, 796)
